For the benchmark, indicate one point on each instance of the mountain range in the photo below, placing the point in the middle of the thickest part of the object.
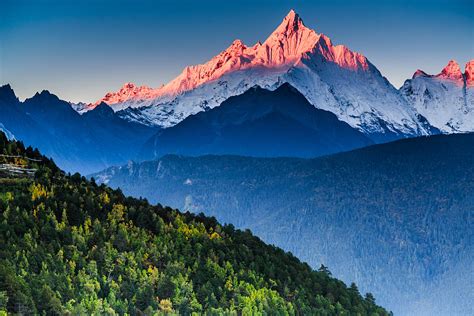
(184, 117)
(446, 100)
(331, 77)
(395, 218)
(258, 123)
(393, 215)
(85, 143)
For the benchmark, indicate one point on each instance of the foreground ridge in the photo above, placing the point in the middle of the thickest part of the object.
(72, 246)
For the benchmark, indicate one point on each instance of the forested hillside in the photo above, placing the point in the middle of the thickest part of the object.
(69, 245)
(395, 218)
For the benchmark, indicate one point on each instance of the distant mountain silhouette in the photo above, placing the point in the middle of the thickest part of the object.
(86, 143)
(259, 123)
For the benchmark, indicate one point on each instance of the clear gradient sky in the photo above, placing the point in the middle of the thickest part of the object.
(79, 50)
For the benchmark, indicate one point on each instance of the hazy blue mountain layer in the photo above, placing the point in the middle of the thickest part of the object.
(84, 143)
(396, 218)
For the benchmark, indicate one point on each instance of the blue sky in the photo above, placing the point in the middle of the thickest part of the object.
(79, 50)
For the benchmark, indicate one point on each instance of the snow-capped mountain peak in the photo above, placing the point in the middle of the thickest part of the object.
(452, 71)
(445, 99)
(331, 77)
(419, 73)
(285, 47)
(291, 22)
(128, 91)
(288, 42)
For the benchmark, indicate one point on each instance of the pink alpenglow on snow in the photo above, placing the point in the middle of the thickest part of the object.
(453, 72)
(331, 77)
(446, 100)
(469, 73)
(419, 73)
(291, 43)
(127, 91)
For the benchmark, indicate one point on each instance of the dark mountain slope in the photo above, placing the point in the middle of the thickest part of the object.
(70, 246)
(19, 124)
(84, 143)
(396, 218)
(261, 123)
(113, 135)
